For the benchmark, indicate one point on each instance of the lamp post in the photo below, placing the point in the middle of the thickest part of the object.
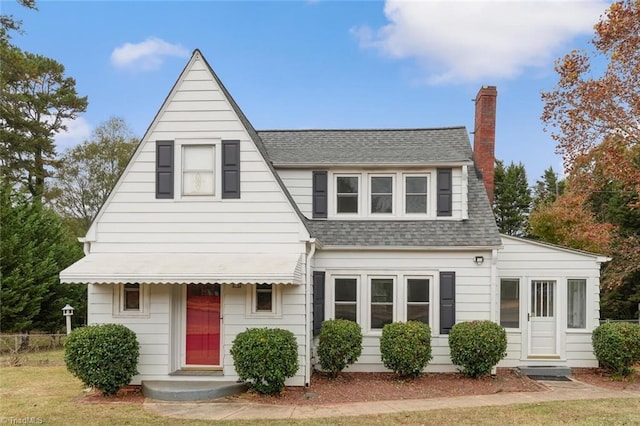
(67, 311)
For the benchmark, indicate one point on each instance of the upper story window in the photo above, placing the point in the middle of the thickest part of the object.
(347, 188)
(198, 170)
(381, 194)
(415, 194)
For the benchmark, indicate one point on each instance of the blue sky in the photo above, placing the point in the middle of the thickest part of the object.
(321, 64)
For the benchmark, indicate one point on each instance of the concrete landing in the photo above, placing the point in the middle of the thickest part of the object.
(545, 371)
(184, 390)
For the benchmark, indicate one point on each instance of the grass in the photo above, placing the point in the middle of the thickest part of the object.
(43, 389)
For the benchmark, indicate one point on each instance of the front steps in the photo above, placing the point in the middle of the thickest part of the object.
(545, 371)
(185, 390)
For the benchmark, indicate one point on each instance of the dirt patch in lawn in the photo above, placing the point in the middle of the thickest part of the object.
(127, 395)
(360, 387)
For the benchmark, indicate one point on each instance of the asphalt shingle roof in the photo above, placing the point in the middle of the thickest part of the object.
(367, 146)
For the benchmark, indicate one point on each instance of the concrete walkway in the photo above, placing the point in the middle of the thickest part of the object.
(231, 410)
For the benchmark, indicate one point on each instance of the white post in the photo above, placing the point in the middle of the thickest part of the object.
(67, 311)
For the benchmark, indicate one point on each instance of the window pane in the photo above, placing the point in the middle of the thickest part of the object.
(417, 290)
(348, 185)
(346, 311)
(416, 203)
(381, 185)
(197, 183)
(418, 313)
(577, 303)
(381, 204)
(197, 157)
(382, 290)
(416, 185)
(510, 303)
(381, 315)
(345, 289)
(132, 297)
(347, 203)
(264, 297)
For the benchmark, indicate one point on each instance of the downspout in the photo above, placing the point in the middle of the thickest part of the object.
(308, 300)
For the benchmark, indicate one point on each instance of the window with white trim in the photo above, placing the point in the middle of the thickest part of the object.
(577, 303)
(415, 194)
(264, 300)
(198, 170)
(418, 299)
(382, 290)
(347, 189)
(381, 194)
(130, 299)
(510, 302)
(346, 298)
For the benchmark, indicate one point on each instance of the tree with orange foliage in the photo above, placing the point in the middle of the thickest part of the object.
(589, 109)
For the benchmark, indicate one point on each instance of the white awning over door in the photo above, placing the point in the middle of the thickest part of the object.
(186, 268)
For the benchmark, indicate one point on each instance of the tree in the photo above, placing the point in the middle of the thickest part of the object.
(35, 247)
(88, 172)
(36, 99)
(589, 109)
(547, 189)
(568, 222)
(512, 199)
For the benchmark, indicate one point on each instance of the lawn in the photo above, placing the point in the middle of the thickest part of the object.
(42, 389)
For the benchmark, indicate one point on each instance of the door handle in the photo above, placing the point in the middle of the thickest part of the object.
(528, 316)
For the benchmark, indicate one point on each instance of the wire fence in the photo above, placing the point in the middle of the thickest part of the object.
(30, 342)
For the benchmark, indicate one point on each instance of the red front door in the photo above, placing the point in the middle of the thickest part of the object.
(203, 324)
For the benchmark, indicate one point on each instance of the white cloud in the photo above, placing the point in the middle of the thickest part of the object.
(78, 131)
(147, 55)
(460, 41)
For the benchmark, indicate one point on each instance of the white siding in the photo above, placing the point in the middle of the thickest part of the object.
(473, 291)
(134, 221)
(300, 186)
(528, 261)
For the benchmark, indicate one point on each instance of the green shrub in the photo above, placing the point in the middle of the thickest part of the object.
(477, 346)
(617, 346)
(266, 357)
(340, 345)
(406, 347)
(102, 356)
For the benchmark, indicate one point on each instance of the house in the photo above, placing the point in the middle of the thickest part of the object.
(215, 227)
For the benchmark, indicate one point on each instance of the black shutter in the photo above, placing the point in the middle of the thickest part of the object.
(320, 194)
(164, 169)
(230, 169)
(444, 192)
(318, 301)
(447, 301)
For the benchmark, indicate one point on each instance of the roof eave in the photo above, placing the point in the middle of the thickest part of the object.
(404, 165)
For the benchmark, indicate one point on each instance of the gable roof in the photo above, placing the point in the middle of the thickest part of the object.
(480, 230)
(434, 146)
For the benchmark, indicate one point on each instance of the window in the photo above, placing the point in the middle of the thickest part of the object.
(381, 302)
(510, 303)
(418, 300)
(347, 194)
(346, 299)
(415, 194)
(131, 297)
(130, 300)
(381, 194)
(198, 170)
(577, 303)
(264, 298)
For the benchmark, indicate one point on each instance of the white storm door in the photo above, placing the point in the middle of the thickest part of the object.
(542, 318)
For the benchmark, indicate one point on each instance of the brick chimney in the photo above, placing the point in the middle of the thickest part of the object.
(484, 135)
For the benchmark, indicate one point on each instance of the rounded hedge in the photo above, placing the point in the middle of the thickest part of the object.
(616, 345)
(102, 356)
(266, 357)
(477, 346)
(339, 345)
(405, 347)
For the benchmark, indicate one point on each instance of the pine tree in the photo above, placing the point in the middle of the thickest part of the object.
(512, 199)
